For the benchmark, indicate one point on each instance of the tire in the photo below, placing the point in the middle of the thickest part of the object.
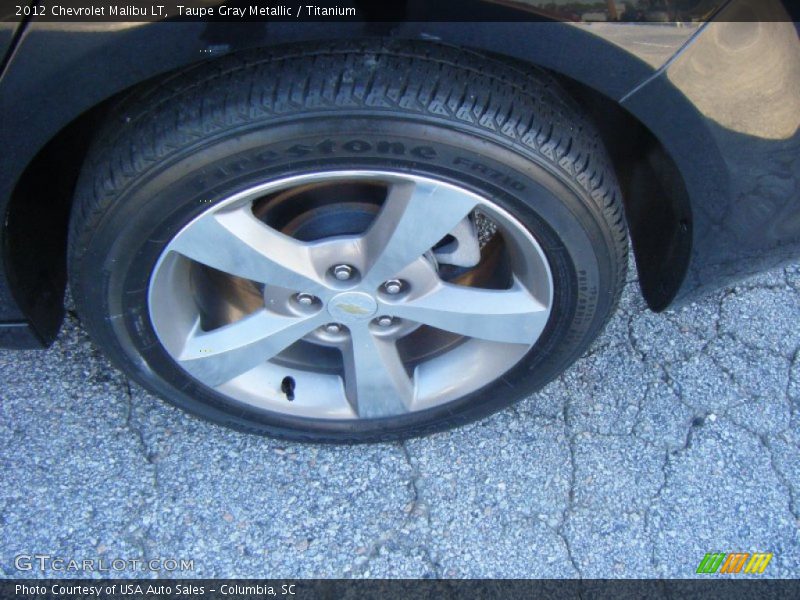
(317, 142)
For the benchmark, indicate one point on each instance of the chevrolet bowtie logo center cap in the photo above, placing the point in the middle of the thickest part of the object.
(352, 306)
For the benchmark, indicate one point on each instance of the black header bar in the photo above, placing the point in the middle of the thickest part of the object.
(655, 12)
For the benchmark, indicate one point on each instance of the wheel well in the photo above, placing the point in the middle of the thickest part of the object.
(655, 198)
(36, 225)
(657, 205)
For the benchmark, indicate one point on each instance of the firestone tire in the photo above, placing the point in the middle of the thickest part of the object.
(178, 148)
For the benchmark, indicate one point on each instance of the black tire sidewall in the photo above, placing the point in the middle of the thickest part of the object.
(119, 256)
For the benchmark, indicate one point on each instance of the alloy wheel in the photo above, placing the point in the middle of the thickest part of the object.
(350, 294)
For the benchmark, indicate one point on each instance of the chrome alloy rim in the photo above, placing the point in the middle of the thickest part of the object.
(265, 301)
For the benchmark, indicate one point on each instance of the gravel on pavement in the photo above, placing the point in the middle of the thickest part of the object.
(676, 435)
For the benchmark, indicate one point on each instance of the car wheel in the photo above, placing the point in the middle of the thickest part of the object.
(349, 242)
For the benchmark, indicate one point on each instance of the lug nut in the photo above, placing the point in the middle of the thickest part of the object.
(305, 299)
(343, 272)
(393, 286)
(384, 321)
(333, 328)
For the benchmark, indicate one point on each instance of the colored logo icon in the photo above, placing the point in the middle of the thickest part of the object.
(741, 562)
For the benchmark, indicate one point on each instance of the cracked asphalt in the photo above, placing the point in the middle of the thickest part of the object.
(676, 435)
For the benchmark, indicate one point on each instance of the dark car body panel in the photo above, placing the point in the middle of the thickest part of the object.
(738, 146)
(742, 211)
(7, 31)
(10, 26)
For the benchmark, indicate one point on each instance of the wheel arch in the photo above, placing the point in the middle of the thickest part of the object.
(652, 185)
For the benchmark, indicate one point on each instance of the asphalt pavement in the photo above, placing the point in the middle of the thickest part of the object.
(676, 435)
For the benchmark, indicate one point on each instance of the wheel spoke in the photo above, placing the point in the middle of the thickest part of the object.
(217, 356)
(513, 316)
(376, 381)
(415, 216)
(236, 242)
